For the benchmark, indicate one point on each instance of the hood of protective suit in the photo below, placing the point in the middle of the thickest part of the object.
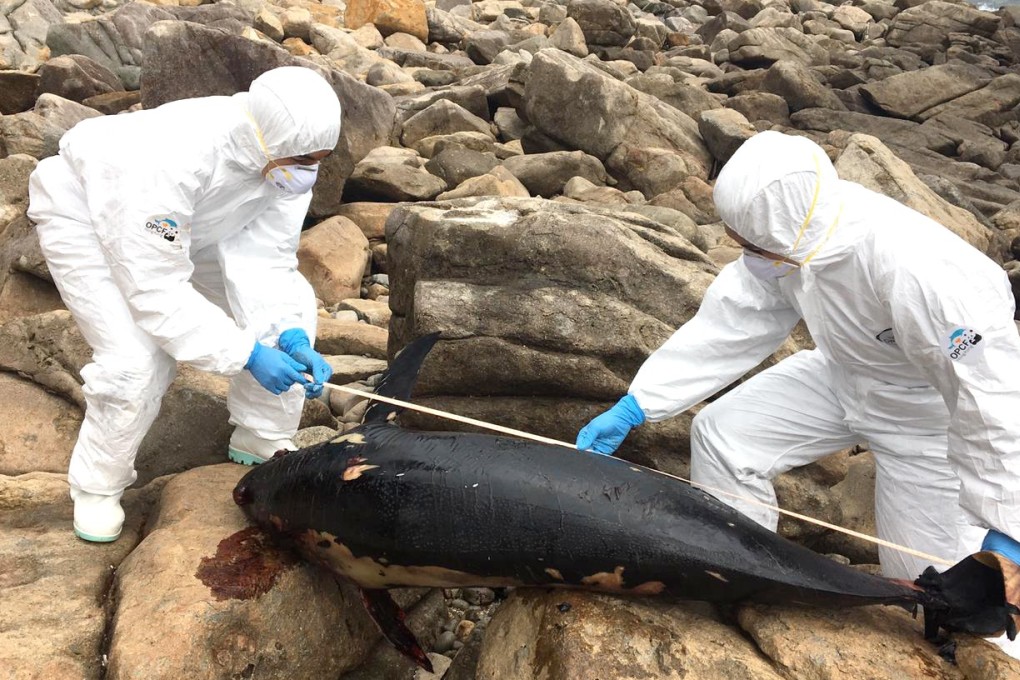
(781, 193)
(295, 110)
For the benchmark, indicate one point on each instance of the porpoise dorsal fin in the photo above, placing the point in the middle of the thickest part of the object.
(399, 379)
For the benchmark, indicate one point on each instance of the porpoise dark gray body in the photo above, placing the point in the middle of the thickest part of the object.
(446, 509)
(385, 507)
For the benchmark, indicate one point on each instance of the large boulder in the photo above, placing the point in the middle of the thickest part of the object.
(333, 255)
(555, 635)
(37, 429)
(117, 39)
(879, 643)
(53, 586)
(894, 132)
(575, 102)
(203, 596)
(992, 104)
(908, 94)
(389, 16)
(76, 77)
(928, 26)
(867, 161)
(602, 22)
(762, 47)
(231, 62)
(520, 288)
(545, 174)
(23, 29)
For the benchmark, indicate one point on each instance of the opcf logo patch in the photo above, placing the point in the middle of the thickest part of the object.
(164, 227)
(962, 344)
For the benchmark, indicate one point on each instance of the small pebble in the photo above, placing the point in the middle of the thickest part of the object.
(346, 315)
(464, 629)
(460, 604)
(445, 642)
(479, 595)
(457, 644)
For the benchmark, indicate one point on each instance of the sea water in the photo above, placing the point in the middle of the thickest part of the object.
(992, 5)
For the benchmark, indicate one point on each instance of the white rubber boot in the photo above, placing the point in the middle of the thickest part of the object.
(97, 518)
(247, 448)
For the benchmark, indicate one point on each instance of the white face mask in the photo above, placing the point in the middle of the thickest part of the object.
(294, 179)
(766, 269)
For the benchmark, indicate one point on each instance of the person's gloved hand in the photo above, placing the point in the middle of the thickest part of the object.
(998, 542)
(273, 369)
(296, 344)
(606, 432)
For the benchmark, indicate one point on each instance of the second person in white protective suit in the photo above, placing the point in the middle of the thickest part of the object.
(172, 235)
(916, 353)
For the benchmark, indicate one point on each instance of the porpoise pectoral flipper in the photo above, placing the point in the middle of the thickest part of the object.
(388, 615)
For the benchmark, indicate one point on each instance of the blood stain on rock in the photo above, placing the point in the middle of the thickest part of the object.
(245, 566)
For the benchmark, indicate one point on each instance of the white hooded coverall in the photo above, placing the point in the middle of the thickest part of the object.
(167, 244)
(917, 354)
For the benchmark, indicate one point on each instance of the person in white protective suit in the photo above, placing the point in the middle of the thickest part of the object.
(172, 235)
(916, 353)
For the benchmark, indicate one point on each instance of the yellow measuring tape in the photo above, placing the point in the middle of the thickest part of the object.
(714, 491)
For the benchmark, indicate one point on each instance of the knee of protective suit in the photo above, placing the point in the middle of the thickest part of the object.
(718, 443)
(128, 382)
(705, 434)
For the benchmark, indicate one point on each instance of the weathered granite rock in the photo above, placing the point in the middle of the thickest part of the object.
(795, 83)
(545, 174)
(579, 104)
(883, 643)
(389, 16)
(76, 77)
(555, 635)
(867, 161)
(602, 22)
(53, 588)
(17, 91)
(117, 40)
(929, 25)
(895, 132)
(23, 28)
(184, 607)
(333, 255)
(910, 94)
(991, 105)
(37, 429)
(390, 174)
(762, 47)
(724, 131)
(344, 337)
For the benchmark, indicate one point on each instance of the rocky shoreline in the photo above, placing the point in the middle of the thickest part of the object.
(533, 179)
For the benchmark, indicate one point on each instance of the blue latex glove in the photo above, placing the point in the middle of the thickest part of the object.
(606, 432)
(1002, 544)
(296, 344)
(274, 370)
